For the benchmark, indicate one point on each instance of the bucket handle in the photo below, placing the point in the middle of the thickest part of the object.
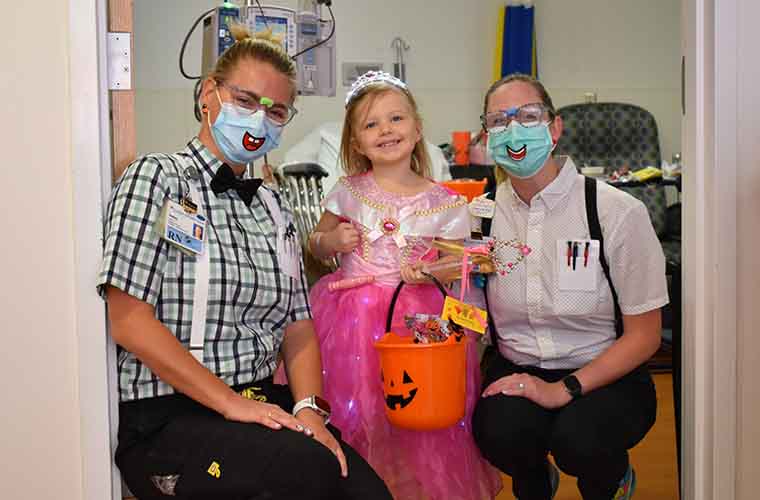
(398, 290)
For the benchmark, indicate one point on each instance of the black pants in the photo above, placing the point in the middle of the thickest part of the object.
(589, 438)
(171, 445)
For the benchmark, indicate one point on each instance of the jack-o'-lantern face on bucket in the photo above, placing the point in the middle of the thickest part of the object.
(399, 396)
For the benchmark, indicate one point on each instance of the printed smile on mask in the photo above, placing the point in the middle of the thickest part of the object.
(252, 143)
(519, 154)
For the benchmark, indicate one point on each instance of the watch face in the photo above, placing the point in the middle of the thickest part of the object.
(573, 386)
(322, 404)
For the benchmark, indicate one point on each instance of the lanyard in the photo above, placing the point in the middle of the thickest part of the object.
(200, 293)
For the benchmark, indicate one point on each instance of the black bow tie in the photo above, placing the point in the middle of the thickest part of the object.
(225, 179)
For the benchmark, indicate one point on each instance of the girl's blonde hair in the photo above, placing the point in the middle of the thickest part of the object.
(262, 46)
(356, 163)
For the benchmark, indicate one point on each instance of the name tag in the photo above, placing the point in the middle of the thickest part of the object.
(182, 228)
(482, 207)
(578, 264)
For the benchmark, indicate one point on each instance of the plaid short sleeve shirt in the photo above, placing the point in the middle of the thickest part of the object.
(250, 300)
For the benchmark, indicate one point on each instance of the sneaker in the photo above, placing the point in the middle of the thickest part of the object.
(553, 478)
(627, 485)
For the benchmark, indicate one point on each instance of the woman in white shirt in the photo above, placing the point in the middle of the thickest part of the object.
(570, 378)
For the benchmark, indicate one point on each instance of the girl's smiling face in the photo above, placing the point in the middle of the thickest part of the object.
(385, 129)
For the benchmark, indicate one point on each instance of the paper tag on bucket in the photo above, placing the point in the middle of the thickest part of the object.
(465, 315)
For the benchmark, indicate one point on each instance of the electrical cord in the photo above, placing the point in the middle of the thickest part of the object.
(263, 16)
(184, 45)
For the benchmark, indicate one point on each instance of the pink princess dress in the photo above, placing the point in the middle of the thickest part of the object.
(396, 230)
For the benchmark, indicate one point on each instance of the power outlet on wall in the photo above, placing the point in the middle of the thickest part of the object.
(589, 97)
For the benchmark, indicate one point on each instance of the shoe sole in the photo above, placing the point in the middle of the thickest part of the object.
(633, 485)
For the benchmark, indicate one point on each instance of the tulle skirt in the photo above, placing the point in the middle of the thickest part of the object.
(440, 464)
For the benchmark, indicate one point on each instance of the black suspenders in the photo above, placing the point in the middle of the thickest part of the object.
(596, 234)
(595, 230)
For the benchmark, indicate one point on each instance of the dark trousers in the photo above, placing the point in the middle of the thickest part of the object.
(589, 438)
(173, 447)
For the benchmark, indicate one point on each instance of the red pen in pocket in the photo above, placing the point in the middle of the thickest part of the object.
(585, 255)
(569, 252)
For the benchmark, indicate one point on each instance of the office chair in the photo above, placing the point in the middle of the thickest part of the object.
(609, 134)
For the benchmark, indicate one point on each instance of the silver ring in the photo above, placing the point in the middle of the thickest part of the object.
(521, 386)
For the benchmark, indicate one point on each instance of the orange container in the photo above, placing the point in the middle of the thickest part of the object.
(461, 144)
(423, 384)
(469, 188)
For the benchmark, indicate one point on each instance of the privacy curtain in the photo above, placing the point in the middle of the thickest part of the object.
(516, 41)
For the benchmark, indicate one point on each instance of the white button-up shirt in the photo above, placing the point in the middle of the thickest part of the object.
(540, 324)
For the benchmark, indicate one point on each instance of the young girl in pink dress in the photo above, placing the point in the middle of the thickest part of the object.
(380, 220)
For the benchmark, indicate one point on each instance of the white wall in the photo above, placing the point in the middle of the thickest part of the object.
(40, 435)
(624, 50)
(748, 267)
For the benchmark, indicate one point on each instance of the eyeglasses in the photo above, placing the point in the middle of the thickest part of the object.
(279, 113)
(527, 115)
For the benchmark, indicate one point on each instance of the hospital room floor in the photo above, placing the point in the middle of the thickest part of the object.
(654, 458)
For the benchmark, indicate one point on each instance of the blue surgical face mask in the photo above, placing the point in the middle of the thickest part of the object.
(521, 151)
(243, 137)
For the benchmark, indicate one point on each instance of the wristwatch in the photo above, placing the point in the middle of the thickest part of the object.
(316, 403)
(573, 386)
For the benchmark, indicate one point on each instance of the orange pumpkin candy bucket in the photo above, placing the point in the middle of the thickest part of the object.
(423, 384)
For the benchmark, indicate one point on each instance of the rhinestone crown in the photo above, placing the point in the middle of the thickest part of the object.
(369, 78)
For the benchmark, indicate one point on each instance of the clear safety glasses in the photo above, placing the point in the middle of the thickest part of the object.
(527, 115)
(279, 113)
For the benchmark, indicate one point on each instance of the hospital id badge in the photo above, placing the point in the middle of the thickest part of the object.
(577, 262)
(482, 207)
(181, 228)
(288, 250)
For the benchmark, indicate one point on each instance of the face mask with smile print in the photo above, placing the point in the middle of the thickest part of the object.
(243, 137)
(521, 151)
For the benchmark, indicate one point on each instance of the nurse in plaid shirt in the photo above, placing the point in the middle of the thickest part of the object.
(220, 429)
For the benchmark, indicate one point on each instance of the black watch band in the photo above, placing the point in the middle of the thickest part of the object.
(573, 386)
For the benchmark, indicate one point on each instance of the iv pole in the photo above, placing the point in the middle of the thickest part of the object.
(399, 67)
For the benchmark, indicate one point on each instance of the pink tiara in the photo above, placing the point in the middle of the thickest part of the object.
(369, 78)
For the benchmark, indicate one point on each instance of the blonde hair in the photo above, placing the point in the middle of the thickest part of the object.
(500, 174)
(356, 163)
(263, 46)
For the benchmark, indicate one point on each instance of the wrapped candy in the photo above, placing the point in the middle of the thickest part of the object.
(428, 328)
